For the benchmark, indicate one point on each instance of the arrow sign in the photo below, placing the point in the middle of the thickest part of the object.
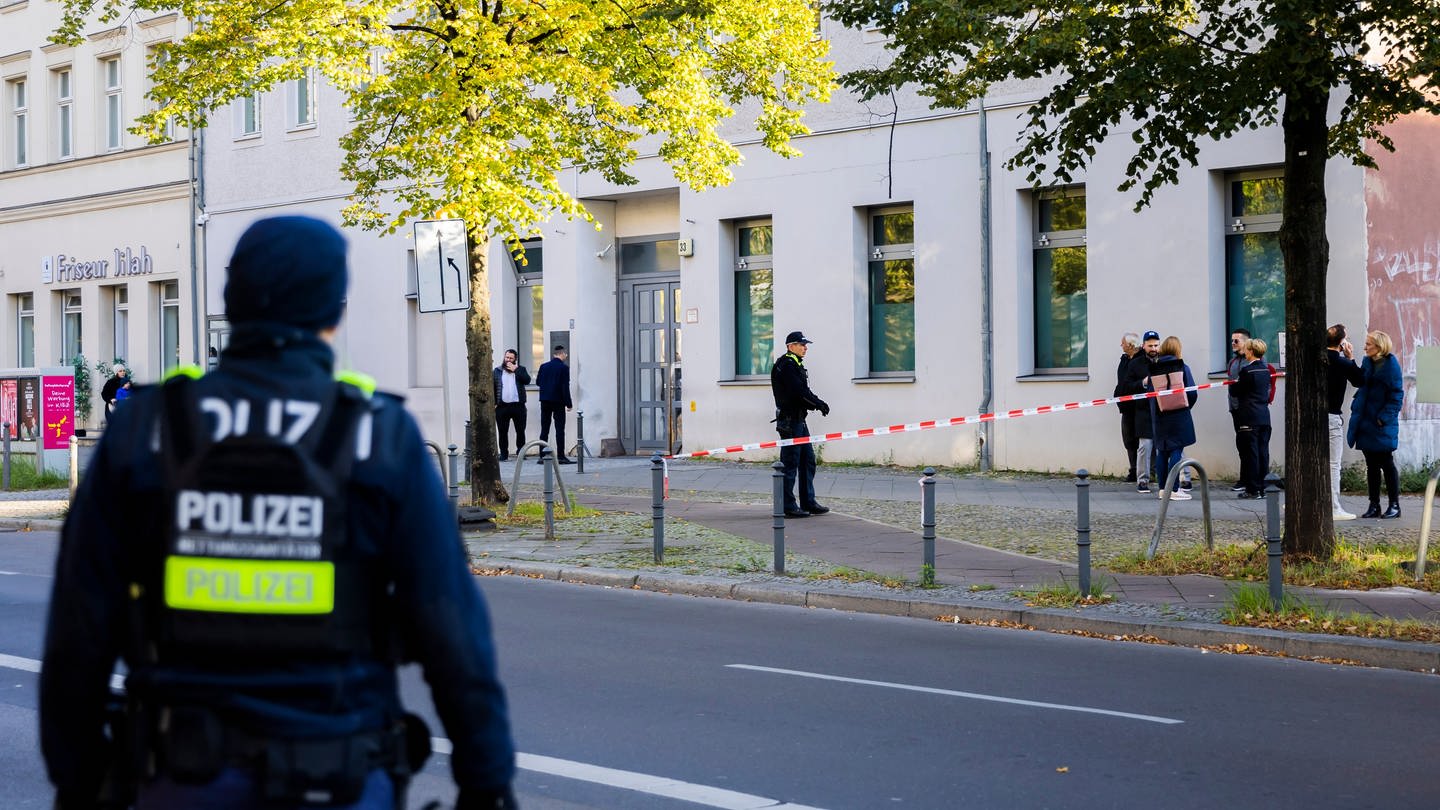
(442, 263)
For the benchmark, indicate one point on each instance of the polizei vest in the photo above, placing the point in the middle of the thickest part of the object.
(255, 555)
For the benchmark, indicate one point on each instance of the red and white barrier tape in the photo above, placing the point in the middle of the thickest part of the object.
(934, 424)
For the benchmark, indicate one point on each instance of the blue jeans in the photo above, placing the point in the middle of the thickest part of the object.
(1165, 460)
(799, 461)
(235, 789)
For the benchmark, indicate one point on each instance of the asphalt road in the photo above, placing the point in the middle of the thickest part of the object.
(641, 700)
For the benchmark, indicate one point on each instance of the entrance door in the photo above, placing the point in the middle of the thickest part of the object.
(654, 365)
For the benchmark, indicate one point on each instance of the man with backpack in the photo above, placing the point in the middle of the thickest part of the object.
(262, 545)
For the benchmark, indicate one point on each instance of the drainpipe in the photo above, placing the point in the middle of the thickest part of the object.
(198, 219)
(987, 334)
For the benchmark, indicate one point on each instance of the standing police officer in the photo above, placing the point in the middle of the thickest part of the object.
(261, 546)
(790, 383)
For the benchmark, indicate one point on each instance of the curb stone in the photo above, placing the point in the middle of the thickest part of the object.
(1381, 653)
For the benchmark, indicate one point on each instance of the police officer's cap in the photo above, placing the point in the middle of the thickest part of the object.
(797, 337)
(288, 270)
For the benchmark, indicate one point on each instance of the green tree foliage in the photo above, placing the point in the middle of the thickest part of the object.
(471, 108)
(1172, 73)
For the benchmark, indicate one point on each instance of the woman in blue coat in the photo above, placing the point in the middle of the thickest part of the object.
(1174, 429)
(1375, 421)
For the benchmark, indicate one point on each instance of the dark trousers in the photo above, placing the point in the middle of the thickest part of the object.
(1253, 442)
(1132, 441)
(506, 414)
(1378, 463)
(799, 461)
(553, 412)
(236, 789)
(1165, 461)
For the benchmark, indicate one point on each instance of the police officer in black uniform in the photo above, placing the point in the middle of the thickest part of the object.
(261, 546)
(790, 383)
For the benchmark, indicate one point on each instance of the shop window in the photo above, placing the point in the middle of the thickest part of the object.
(25, 330)
(754, 280)
(1254, 268)
(71, 327)
(120, 320)
(1061, 282)
(168, 293)
(892, 291)
(529, 269)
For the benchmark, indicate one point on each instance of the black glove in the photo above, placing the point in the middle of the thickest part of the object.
(824, 408)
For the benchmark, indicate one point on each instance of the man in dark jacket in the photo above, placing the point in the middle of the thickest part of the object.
(261, 545)
(1251, 394)
(553, 379)
(1129, 347)
(790, 384)
(1340, 371)
(510, 381)
(1239, 336)
(1136, 374)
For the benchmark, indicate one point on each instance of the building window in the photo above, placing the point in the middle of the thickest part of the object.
(247, 116)
(217, 337)
(157, 56)
(121, 311)
(70, 327)
(64, 115)
(169, 294)
(25, 330)
(530, 305)
(754, 298)
(1061, 286)
(1254, 268)
(892, 291)
(20, 122)
(301, 95)
(114, 104)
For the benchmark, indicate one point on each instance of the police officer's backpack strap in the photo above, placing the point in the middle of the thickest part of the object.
(178, 422)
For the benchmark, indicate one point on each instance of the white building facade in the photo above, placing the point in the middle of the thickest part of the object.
(96, 226)
(871, 243)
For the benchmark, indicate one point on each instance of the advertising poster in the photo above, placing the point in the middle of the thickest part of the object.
(9, 407)
(29, 408)
(57, 411)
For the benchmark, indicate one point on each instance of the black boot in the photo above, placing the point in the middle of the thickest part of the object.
(1392, 512)
(1373, 511)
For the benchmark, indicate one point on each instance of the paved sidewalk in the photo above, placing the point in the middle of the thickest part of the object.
(610, 484)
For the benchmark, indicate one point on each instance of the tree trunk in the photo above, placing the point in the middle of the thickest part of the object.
(1309, 524)
(485, 484)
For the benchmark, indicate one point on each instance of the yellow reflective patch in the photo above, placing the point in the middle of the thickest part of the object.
(227, 585)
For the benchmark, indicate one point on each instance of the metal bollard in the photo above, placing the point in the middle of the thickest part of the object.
(6, 461)
(657, 504)
(74, 464)
(1082, 528)
(579, 442)
(549, 493)
(1272, 540)
(454, 476)
(927, 525)
(777, 513)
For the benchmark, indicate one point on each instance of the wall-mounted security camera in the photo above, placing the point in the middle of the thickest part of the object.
(601, 253)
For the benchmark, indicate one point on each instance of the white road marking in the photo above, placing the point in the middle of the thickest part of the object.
(639, 782)
(117, 682)
(584, 772)
(952, 693)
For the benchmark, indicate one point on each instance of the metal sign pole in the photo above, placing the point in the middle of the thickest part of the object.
(445, 370)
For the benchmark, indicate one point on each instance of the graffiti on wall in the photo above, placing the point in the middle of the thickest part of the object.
(1403, 263)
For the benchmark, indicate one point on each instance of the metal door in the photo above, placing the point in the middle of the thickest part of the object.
(654, 366)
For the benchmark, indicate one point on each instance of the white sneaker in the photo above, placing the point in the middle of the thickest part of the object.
(1181, 495)
(1341, 514)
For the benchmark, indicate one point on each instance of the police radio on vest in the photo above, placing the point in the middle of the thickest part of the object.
(292, 516)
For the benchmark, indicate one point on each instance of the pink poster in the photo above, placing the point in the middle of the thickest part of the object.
(9, 410)
(57, 411)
